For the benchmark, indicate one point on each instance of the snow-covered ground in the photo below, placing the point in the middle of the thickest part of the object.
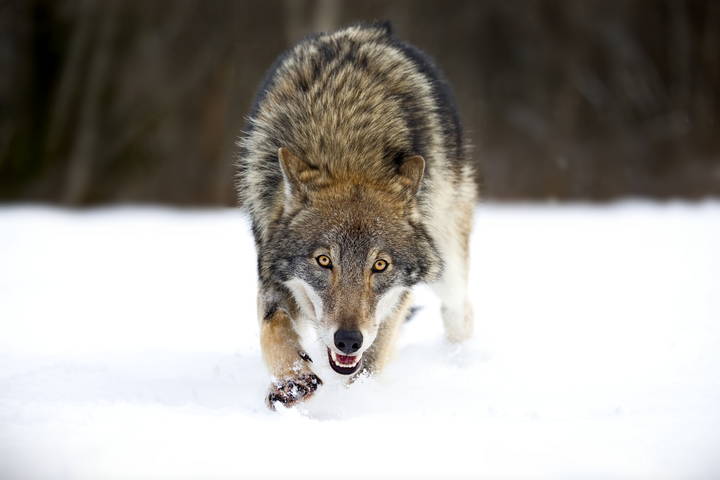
(128, 349)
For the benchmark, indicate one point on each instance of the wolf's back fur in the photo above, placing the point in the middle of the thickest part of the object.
(353, 103)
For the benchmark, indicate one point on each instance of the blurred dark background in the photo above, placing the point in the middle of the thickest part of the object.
(129, 101)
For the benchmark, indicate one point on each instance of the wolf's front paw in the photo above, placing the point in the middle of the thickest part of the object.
(290, 391)
(458, 323)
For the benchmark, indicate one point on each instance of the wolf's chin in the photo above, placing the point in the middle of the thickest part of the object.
(344, 364)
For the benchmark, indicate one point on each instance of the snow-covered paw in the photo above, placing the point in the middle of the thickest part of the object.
(458, 323)
(290, 391)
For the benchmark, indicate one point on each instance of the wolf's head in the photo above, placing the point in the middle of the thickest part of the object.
(349, 249)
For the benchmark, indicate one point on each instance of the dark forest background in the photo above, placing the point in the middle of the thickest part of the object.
(142, 101)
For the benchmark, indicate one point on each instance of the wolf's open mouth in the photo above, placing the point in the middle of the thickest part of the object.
(344, 364)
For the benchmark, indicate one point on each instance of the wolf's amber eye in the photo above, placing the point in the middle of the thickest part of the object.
(324, 261)
(379, 265)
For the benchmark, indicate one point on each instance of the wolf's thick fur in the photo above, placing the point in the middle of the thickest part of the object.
(353, 154)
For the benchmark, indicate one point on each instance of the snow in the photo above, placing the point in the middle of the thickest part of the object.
(128, 349)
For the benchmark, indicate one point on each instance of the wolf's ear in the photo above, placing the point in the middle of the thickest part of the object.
(411, 172)
(296, 172)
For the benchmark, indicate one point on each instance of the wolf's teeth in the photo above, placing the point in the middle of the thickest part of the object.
(340, 364)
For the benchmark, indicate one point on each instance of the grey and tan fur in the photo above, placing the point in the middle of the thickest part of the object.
(353, 154)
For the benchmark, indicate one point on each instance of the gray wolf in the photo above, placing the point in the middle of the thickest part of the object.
(356, 177)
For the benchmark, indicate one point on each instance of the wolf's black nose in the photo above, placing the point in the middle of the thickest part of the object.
(348, 341)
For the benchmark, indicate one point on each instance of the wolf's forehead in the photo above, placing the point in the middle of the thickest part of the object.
(349, 245)
(348, 229)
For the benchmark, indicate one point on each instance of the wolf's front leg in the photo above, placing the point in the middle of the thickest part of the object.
(293, 380)
(456, 309)
(452, 286)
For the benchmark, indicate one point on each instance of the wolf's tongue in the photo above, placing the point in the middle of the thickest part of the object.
(346, 359)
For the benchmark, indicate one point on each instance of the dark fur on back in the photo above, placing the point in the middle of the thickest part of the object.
(441, 90)
(358, 100)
